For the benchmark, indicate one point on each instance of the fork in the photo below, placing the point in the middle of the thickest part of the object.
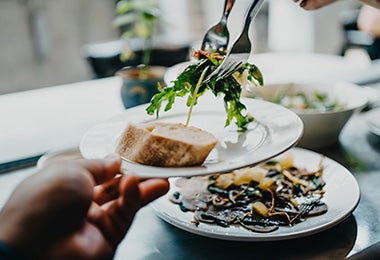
(217, 37)
(241, 48)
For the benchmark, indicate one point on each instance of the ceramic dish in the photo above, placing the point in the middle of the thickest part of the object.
(322, 127)
(275, 130)
(342, 196)
(373, 121)
(59, 155)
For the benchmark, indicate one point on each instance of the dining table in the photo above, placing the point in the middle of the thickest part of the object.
(52, 120)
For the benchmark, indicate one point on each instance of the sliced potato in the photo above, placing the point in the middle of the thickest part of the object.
(260, 208)
(287, 161)
(246, 175)
(268, 184)
(225, 180)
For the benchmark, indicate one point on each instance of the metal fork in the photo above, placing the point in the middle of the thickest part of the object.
(217, 37)
(241, 48)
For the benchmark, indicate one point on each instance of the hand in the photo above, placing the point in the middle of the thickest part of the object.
(316, 4)
(313, 4)
(75, 210)
(369, 21)
(373, 3)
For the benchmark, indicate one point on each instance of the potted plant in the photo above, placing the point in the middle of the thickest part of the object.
(137, 21)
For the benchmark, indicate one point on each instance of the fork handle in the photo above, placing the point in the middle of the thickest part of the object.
(228, 4)
(251, 13)
(242, 43)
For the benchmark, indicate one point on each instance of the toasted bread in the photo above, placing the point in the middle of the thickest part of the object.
(165, 144)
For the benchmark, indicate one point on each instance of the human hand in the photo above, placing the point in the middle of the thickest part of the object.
(316, 4)
(313, 4)
(373, 3)
(369, 21)
(75, 210)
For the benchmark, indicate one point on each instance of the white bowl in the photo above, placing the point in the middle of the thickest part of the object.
(321, 128)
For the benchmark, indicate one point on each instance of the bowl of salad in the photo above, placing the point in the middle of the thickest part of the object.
(323, 108)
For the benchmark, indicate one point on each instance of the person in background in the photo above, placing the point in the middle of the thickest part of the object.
(368, 21)
(78, 209)
(369, 16)
(316, 4)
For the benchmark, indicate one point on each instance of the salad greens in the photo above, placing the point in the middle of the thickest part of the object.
(191, 82)
(315, 100)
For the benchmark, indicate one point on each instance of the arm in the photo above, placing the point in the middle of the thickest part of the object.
(313, 4)
(369, 20)
(374, 3)
(75, 210)
(316, 4)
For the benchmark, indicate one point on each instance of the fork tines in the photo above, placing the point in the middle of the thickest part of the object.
(229, 68)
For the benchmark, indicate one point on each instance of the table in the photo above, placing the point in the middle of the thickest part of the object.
(61, 111)
(32, 120)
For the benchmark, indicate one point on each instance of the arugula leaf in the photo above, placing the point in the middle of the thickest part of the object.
(187, 83)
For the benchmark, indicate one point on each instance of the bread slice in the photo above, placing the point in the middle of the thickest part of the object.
(165, 144)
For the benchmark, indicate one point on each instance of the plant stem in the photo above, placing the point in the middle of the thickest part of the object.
(195, 93)
(147, 52)
(146, 58)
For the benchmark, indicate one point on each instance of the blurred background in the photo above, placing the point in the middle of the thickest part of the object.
(52, 42)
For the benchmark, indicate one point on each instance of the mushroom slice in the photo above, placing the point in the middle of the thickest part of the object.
(261, 226)
(318, 208)
(311, 208)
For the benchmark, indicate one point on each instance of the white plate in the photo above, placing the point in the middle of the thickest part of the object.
(72, 153)
(373, 121)
(342, 196)
(275, 130)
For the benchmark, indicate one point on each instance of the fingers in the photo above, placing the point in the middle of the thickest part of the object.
(313, 4)
(134, 193)
(102, 170)
(152, 189)
(130, 195)
(107, 191)
(102, 219)
(115, 215)
(146, 190)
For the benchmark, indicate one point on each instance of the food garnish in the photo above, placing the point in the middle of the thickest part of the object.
(192, 82)
(260, 199)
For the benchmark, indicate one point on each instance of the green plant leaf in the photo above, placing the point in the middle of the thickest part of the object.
(187, 83)
(138, 19)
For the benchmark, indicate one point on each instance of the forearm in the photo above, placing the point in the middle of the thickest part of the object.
(374, 3)
(316, 4)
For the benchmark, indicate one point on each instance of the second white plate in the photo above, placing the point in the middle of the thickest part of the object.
(275, 130)
(342, 195)
(373, 121)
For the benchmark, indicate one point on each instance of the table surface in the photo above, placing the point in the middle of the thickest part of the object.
(68, 111)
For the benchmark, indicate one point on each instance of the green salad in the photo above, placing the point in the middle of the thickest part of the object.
(292, 98)
(192, 83)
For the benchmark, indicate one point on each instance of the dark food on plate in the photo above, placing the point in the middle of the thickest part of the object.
(260, 199)
(192, 82)
(165, 144)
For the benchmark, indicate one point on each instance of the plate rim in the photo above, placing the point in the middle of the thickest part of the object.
(50, 155)
(370, 118)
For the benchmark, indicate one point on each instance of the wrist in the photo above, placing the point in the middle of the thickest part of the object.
(374, 3)
(7, 252)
